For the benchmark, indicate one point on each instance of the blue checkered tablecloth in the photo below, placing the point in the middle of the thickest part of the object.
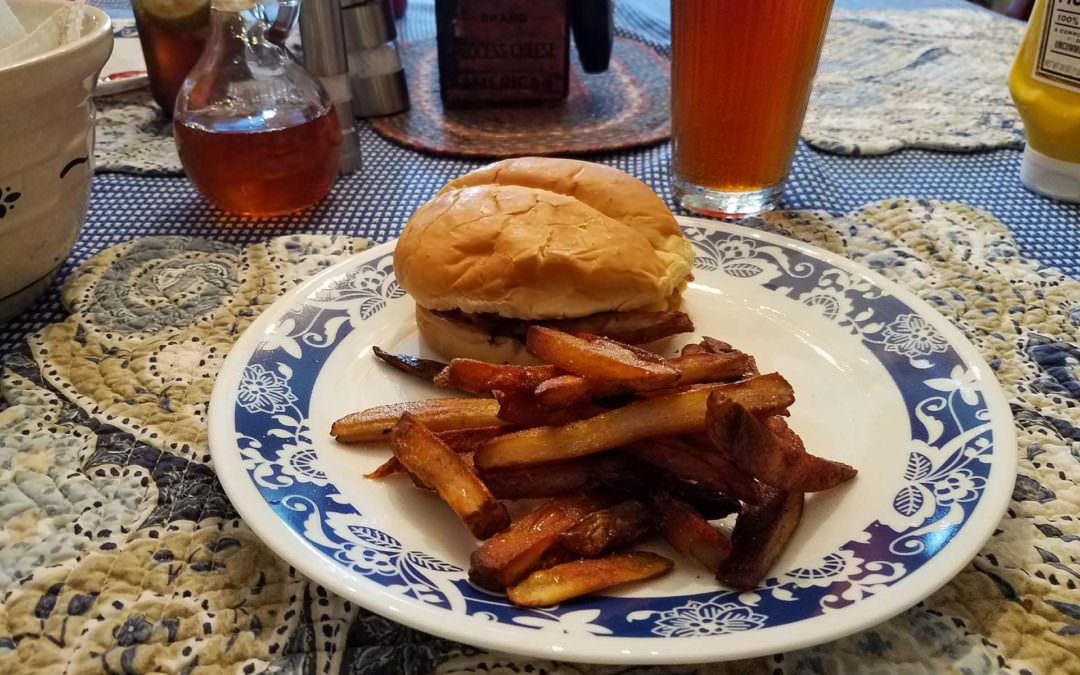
(376, 201)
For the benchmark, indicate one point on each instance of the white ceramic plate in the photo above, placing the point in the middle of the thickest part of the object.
(883, 382)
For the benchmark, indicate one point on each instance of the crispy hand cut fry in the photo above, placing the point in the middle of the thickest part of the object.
(663, 416)
(438, 414)
(566, 390)
(612, 471)
(555, 478)
(761, 533)
(459, 440)
(689, 533)
(572, 579)
(508, 556)
(697, 368)
(763, 395)
(524, 410)
(598, 358)
(771, 452)
(606, 530)
(425, 369)
(388, 468)
(691, 463)
(470, 439)
(480, 377)
(435, 464)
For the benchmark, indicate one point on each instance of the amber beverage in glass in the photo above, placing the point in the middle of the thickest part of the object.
(172, 34)
(741, 73)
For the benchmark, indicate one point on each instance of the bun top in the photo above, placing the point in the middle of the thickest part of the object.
(543, 238)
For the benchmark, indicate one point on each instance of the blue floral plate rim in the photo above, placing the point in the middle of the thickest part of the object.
(956, 481)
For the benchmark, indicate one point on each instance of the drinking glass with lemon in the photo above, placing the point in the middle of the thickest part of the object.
(172, 33)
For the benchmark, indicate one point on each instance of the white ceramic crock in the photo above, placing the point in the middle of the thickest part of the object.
(46, 153)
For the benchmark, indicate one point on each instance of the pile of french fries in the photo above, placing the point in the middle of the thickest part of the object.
(622, 444)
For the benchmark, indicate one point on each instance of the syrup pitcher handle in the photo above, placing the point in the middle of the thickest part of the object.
(287, 11)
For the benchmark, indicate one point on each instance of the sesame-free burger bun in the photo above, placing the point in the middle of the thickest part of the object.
(542, 238)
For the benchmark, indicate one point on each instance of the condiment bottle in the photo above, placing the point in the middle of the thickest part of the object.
(256, 133)
(1045, 84)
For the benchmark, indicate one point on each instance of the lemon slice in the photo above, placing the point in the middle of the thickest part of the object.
(186, 12)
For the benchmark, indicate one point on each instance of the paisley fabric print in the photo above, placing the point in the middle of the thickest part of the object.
(120, 553)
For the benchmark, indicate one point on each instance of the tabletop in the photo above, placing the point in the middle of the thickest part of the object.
(377, 200)
(132, 543)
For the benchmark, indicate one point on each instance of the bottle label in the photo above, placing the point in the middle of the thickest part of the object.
(1058, 59)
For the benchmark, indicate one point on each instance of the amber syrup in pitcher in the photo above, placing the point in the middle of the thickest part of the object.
(258, 168)
(256, 133)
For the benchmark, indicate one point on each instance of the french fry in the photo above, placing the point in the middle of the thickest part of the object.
(480, 377)
(697, 368)
(522, 408)
(425, 369)
(435, 464)
(711, 504)
(612, 471)
(510, 555)
(771, 451)
(556, 478)
(566, 390)
(636, 328)
(606, 530)
(388, 468)
(573, 579)
(594, 357)
(438, 414)
(688, 462)
(764, 395)
(664, 416)
(470, 439)
(460, 441)
(689, 533)
(714, 346)
(761, 533)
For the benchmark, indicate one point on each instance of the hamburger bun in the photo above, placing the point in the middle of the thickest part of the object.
(537, 239)
(461, 340)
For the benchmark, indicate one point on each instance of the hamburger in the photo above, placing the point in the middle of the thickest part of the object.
(558, 242)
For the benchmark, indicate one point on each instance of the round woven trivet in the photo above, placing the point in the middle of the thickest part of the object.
(624, 107)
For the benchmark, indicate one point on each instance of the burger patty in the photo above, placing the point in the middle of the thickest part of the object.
(631, 327)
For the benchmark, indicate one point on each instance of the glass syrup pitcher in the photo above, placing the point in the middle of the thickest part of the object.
(256, 133)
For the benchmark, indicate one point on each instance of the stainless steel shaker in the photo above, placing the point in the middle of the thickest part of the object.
(324, 56)
(376, 73)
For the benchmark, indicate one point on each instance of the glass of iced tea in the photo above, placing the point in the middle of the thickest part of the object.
(172, 34)
(741, 74)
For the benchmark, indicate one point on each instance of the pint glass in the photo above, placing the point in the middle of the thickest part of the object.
(741, 72)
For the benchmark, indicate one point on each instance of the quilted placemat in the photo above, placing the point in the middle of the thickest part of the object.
(623, 107)
(134, 136)
(933, 79)
(120, 553)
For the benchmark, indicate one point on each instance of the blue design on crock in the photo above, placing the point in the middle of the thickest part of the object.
(943, 480)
